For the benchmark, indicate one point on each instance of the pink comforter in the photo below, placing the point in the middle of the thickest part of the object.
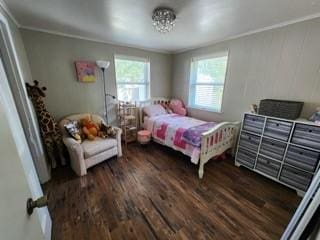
(168, 130)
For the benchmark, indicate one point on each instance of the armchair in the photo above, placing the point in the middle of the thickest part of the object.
(89, 153)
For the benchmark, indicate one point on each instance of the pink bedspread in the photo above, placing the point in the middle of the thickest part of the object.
(168, 130)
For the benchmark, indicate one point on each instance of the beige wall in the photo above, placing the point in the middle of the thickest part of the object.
(52, 57)
(283, 63)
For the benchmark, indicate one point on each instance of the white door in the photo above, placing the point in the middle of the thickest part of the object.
(18, 178)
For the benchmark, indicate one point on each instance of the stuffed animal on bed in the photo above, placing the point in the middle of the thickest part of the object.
(177, 106)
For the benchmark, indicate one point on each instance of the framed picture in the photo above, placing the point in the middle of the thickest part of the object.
(86, 71)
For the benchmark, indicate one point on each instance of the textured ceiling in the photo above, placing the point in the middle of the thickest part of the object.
(128, 22)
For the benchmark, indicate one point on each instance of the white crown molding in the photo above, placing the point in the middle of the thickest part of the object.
(279, 25)
(93, 39)
(5, 8)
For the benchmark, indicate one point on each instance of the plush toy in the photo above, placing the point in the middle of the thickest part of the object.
(316, 116)
(254, 108)
(177, 106)
(106, 131)
(89, 128)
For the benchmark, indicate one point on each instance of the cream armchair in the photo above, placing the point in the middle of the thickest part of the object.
(89, 153)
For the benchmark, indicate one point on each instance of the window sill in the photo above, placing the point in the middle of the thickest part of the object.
(205, 109)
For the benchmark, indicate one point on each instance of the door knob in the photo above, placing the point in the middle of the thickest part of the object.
(40, 202)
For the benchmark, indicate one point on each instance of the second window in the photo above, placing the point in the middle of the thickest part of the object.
(132, 77)
(207, 82)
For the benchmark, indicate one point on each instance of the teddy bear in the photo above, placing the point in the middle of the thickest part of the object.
(89, 128)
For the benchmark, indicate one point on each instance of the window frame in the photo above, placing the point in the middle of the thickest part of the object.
(146, 82)
(193, 84)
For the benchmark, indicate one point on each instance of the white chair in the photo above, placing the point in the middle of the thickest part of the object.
(89, 153)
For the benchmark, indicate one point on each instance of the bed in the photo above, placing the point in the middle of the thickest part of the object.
(199, 140)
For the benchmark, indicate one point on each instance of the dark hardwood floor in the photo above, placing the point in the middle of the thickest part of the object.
(154, 192)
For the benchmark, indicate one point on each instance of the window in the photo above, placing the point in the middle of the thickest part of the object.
(207, 82)
(132, 77)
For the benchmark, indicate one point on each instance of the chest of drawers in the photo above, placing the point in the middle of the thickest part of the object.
(283, 150)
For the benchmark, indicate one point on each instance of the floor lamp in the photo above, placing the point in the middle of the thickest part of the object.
(103, 65)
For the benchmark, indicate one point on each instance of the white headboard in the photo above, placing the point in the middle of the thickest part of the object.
(157, 100)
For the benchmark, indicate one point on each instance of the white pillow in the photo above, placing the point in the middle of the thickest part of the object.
(154, 110)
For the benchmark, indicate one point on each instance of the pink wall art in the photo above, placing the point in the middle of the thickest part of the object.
(86, 71)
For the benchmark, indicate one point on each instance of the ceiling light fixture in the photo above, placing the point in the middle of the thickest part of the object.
(163, 19)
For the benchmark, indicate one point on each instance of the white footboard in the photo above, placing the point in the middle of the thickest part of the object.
(216, 141)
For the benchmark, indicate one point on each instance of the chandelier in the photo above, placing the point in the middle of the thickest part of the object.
(163, 19)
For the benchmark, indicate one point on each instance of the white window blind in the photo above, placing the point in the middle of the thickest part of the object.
(132, 77)
(207, 82)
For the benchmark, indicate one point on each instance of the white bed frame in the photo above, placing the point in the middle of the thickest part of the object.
(209, 149)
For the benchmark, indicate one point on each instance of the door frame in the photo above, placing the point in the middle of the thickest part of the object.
(23, 104)
(8, 53)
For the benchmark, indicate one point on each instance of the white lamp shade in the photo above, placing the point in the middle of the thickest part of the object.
(103, 64)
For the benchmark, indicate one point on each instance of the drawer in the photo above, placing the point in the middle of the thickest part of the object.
(249, 141)
(306, 135)
(246, 157)
(268, 166)
(302, 158)
(253, 123)
(295, 177)
(273, 148)
(278, 129)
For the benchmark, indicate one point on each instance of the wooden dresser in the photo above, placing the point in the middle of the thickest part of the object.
(283, 150)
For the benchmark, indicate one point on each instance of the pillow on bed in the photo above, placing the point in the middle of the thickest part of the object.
(154, 110)
(167, 108)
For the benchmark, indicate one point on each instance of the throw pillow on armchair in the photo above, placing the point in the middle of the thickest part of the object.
(72, 127)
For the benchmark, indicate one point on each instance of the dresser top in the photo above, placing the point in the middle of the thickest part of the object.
(298, 120)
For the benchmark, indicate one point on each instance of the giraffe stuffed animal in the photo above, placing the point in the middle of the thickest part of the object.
(50, 131)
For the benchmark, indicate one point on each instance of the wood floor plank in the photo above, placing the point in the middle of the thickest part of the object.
(153, 192)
